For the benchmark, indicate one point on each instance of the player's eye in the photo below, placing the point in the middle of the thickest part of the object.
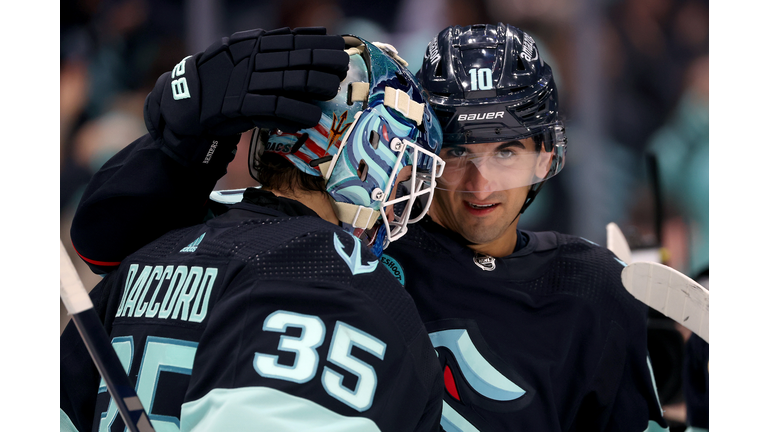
(457, 152)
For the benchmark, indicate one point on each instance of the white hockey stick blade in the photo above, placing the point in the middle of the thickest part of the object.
(617, 243)
(671, 293)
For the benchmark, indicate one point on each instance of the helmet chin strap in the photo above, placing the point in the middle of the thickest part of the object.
(532, 192)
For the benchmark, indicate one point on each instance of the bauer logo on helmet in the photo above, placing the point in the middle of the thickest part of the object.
(481, 116)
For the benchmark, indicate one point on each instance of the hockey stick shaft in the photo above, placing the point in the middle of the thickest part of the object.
(86, 320)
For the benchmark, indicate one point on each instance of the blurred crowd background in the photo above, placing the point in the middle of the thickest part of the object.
(633, 79)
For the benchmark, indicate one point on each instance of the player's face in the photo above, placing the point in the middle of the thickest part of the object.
(477, 202)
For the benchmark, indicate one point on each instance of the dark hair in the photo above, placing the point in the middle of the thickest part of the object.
(538, 141)
(277, 173)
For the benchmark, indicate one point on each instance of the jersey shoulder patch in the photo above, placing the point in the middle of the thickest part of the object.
(394, 267)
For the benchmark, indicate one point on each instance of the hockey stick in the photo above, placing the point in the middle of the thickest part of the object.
(79, 306)
(671, 293)
(661, 287)
(617, 244)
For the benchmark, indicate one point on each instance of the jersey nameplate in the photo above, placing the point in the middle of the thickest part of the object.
(162, 292)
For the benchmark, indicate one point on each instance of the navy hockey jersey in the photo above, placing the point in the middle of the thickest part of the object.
(548, 340)
(257, 320)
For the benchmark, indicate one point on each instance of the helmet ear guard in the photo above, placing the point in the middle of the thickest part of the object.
(377, 125)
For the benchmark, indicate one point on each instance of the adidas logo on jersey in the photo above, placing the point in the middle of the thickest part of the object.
(193, 246)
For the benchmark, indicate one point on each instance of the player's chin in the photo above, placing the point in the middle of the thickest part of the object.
(479, 235)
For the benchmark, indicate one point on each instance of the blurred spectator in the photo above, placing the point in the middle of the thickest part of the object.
(111, 52)
(682, 150)
(658, 40)
(73, 98)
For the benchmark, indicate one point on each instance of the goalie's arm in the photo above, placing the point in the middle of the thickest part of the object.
(195, 115)
(140, 194)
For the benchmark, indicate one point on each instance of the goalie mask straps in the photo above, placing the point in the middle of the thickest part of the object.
(403, 103)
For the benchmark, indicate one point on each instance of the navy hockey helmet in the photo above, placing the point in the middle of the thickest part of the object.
(489, 86)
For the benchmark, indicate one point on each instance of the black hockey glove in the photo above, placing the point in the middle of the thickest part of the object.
(254, 78)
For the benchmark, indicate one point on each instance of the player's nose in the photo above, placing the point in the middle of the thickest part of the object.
(476, 183)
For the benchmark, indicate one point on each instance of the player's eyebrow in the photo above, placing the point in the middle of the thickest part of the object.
(501, 146)
(514, 143)
(455, 146)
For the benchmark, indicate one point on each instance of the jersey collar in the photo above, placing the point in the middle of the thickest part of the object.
(272, 205)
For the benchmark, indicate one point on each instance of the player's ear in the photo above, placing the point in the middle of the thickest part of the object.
(543, 162)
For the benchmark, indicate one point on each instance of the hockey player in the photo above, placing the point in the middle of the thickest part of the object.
(272, 316)
(534, 331)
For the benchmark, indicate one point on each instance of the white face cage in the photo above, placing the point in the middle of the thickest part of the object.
(416, 182)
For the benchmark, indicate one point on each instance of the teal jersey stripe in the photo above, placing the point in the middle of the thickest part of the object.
(654, 427)
(65, 424)
(232, 409)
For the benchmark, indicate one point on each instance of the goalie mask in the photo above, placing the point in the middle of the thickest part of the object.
(375, 146)
(497, 102)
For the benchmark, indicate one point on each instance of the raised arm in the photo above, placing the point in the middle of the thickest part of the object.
(195, 115)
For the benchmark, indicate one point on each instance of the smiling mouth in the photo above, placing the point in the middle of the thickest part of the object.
(480, 206)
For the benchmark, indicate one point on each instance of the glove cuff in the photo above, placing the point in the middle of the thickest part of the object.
(200, 152)
(194, 148)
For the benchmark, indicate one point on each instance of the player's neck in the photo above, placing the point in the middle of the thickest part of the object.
(319, 202)
(499, 247)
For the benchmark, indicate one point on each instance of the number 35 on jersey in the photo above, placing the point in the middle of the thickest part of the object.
(306, 362)
(173, 355)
